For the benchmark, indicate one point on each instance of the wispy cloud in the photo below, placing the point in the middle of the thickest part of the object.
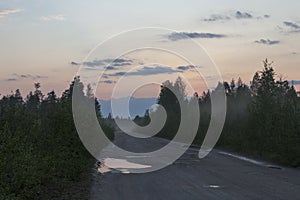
(293, 26)
(10, 11)
(118, 74)
(110, 68)
(184, 68)
(4, 13)
(17, 77)
(243, 15)
(53, 18)
(152, 70)
(105, 62)
(10, 79)
(146, 71)
(187, 67)
(74, 63)
(29, 76)
(267, 42)
(239, 15)
(217, 17)
(186, 35)
(108, 82)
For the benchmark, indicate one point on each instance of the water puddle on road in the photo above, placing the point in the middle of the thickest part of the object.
(118, 166)
(213, 186)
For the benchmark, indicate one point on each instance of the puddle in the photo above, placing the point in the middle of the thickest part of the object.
(212, 186)
(119, 166)
(103, 169)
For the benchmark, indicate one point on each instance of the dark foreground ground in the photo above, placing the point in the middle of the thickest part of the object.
(218, 176)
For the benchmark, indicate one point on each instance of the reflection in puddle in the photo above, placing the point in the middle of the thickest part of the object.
(119, 166)
(212, 186)
(103, 169)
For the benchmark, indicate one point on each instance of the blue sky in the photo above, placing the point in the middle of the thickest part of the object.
(39, 39)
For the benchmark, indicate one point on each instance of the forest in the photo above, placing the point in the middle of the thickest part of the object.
(41, 153)
(262, 119)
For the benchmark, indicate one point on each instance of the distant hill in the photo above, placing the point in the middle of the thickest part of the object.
(137, 106)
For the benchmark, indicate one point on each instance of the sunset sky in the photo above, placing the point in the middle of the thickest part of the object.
(47, 41)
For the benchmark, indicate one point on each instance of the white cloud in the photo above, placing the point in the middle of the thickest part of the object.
(53, 17)
(9, 11)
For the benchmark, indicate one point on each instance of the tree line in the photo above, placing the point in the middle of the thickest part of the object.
(40, 150)
(262, 119)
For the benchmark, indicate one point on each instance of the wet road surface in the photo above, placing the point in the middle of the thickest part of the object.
(218, 176)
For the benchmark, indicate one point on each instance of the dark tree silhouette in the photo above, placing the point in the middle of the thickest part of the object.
(40, 150)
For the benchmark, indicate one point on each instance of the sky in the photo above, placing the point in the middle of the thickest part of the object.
(49, 41)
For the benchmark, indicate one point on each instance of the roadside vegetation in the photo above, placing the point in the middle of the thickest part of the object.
(40, 150)
(263, 118)
(42, 155)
